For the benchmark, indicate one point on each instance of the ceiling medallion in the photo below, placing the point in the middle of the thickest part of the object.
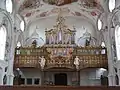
(59, 2)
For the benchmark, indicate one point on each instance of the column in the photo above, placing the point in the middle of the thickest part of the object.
(1, 76)
(111, 75)
(42, 77)
(3, 64)
(10, 75)
(78, 78)
(10, 78)
(111, 79)
(118, 73)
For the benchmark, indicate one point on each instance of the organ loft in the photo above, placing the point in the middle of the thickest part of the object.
(59, 44)
(60, 61)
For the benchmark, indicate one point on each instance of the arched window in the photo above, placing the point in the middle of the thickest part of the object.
(22, 25)
(99, 24)
(111, 5)
(117, 39)
(2, 41)
(9, 6)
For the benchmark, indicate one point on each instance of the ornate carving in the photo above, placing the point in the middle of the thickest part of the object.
(60, 34)
(60, 51)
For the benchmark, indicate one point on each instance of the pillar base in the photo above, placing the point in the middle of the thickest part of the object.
(10, 78)
(111, 80)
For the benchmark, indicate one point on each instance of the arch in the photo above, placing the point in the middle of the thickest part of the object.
(4, 79)
(2, 41)
(8, 22)
(117, 79)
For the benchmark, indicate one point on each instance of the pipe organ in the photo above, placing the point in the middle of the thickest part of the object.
(60, 51)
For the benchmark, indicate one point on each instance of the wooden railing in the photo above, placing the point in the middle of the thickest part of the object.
(28, 56)
(93, 61)
(89, 57)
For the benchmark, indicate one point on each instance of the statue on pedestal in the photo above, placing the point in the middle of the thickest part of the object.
(42, 62)
(76, 62)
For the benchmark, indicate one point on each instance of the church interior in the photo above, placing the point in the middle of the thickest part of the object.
(60, 42)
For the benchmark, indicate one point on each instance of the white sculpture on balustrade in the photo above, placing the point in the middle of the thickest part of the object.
(42, 62)
(76, 62)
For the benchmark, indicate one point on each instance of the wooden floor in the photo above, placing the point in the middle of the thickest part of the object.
(57, 88)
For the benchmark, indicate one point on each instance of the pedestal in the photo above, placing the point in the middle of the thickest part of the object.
(10, 78)
(111, 80)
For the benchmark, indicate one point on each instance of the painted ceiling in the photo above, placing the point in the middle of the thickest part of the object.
(33, 10)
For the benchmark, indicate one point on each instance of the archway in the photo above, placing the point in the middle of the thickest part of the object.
(60, 79)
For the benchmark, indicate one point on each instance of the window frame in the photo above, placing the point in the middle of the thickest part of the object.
(111, 5)
(117, 28)
(3, 42)
(9, 6)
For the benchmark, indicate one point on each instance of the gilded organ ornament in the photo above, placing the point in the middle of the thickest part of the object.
(60, 51)
(60, 34)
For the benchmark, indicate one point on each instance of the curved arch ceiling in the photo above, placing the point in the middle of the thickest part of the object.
(35, 9)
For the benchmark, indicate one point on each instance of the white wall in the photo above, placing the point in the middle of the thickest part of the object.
(31, 73)
(88, 77)
(48, 23)
(91, 77)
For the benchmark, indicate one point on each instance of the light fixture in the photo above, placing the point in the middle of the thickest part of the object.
(111, 5)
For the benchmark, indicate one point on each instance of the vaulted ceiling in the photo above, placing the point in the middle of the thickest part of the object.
(33, 10)
(41, 14)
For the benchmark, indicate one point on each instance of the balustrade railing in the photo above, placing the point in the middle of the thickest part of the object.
(89, 57)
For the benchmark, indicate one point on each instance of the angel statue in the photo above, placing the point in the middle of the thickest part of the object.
(42, 62)
(76, 62)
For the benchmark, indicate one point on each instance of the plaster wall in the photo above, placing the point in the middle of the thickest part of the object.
(88, 77)
(80, 24)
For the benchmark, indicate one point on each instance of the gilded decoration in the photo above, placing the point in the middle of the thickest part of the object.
(60, 51)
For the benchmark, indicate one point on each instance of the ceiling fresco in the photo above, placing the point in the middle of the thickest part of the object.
(59, 2)
(30, 4)
(35, 9)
